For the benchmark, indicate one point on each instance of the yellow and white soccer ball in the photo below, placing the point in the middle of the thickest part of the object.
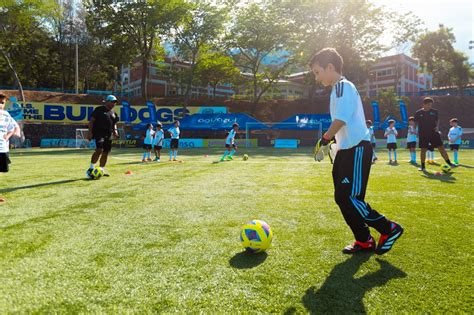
(446, 168)
(256, 236)
(97, 173)
(245, 157)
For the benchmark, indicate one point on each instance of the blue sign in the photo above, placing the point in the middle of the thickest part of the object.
(375, 107)
(220, 122)
(286, 143)
(403, 112)
(305, 122)
(212, 110)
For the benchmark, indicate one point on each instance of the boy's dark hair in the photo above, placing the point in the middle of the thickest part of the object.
(2, 96)
(428, 100)
(148, 125)
(454, 120)
(411, 118)
(391, 121)
(368, 121)
(235, 125)
(159, 124)
(327, 56)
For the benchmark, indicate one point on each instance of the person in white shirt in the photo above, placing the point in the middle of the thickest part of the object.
(353, 161)
(230, 145)
(412, 136)
(454, 136)
(148, 142)
(8, 128)
(372, 139)
(158, 141)
(391, 134)
(174, 144)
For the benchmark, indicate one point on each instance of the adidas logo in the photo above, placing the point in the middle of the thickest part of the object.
(345, 181)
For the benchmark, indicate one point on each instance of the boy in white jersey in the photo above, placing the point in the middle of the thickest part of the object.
(454, 136)
(8, 128)
(352, 164)
(391, 134)
(158, 141)
(148, 142)
(230, 145)
(412, 135)
(174, 144)
(372, 139)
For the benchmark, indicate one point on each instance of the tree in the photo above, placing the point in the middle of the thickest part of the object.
(437, 54)
(18, 20)
(216, 68)
(261, 45)
(199, 31)
(136, 27)
(389, 103)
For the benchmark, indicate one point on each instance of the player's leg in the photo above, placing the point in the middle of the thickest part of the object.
(144, 153)
(226, 152)
(423, 145)
(234, 149)
(438, 143)
(455, 149)
(343, 174)
(99, 145)
(4, 168)
(105, 153)
(389, 230)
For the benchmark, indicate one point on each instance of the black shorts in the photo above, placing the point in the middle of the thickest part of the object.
(158, 147)
(433, 138)
(454, 147)
(374, 145)
(391, 146)
(411, 145)
(4, 161)
(231, 145)
(147, 146)
(174, 143)
(104, 143)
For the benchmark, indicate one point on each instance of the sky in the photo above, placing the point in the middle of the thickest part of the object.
(456, 14)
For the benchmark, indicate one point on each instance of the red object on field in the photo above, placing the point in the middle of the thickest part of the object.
(438, 174)
(129, 172)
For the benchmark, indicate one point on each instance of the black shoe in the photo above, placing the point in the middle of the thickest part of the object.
(360, 246)
(386, 241)
(106, 174)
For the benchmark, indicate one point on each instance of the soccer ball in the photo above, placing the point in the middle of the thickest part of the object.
(246, 157)
(446, 168)
(256, 236)
(96, 173)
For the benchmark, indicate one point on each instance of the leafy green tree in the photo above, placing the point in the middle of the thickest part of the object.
(201, 29)
(438, 56)
(216, 68)
(137, 28)
(260, 42)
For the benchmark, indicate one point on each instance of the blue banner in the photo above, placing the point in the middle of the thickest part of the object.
(152, 110)
(403, 113)
(14, 109)
(126, 113)
(220, 122)
(398, 124)
(305, 122)
(376, 122)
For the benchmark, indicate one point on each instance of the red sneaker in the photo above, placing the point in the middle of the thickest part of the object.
(360, 246)
(386, 241)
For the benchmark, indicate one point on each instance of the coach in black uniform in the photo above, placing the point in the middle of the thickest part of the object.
(427, 121)
(102, 125)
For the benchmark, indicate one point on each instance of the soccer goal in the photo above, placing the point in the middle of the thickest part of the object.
(282, 134)
(83, 143)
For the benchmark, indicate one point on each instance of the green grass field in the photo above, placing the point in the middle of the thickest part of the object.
(165, 239)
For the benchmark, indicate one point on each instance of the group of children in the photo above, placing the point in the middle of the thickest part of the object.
(391, 133)
(154, 141)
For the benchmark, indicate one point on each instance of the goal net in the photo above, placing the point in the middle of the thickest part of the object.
(283, 134)
(83, 143)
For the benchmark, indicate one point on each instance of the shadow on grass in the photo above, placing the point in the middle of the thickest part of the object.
(446, 178)
(59, 182)
(245, 260)
(465, 166)
(342, 293)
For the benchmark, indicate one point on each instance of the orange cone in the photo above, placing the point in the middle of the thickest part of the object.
(129, 172)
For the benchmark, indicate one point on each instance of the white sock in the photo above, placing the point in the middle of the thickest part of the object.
(92, 165)
(390, 155)
(144, 156)
(171, 154)
(395, 154)
(175, 154)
